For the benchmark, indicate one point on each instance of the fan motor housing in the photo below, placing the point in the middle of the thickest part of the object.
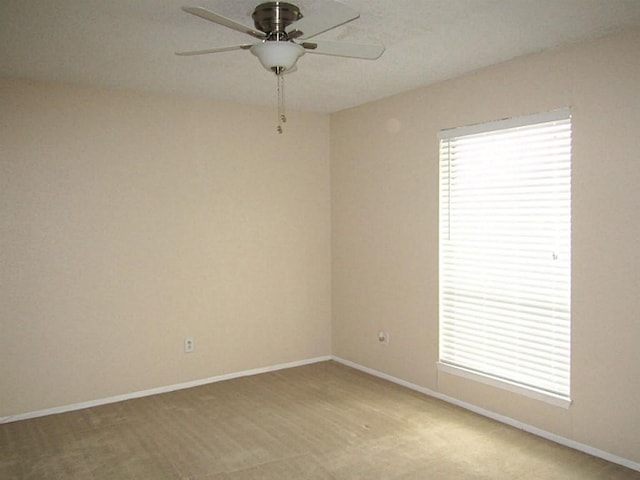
(273, 17)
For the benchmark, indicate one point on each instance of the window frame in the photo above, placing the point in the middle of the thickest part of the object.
(554, 398)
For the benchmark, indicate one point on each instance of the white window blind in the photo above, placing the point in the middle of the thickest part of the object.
(505, 251)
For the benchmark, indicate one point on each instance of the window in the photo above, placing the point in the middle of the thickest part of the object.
(505, 254)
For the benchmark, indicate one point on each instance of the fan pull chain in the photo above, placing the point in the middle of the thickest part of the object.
(282, 118)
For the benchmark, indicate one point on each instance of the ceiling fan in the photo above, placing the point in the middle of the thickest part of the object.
(283, 31)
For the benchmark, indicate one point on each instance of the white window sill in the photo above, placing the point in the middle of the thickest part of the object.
(547, 397)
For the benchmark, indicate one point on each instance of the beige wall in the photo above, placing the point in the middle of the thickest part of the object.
(129, 221)
(384, 177)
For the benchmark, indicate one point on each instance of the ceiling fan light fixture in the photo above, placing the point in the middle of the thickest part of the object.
(277, 24)
(277, 56)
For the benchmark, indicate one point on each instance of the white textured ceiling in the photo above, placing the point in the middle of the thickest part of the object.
(130, 44)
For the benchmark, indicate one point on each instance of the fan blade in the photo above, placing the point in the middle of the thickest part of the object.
(214, 50)
(343, 49)
(227, 22)
(325, 18)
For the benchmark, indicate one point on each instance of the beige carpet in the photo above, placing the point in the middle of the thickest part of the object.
(323, 421)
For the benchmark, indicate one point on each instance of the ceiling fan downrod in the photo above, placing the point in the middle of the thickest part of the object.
(274, 17)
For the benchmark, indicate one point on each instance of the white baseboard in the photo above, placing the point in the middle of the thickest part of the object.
(495, 416)
(155, 391)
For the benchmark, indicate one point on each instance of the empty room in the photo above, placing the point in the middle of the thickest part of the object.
(319, 239)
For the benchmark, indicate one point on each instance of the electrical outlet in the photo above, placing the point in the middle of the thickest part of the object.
(189, 345)
(383, 337)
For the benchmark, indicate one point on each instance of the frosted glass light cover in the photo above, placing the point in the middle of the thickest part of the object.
(275, 55)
